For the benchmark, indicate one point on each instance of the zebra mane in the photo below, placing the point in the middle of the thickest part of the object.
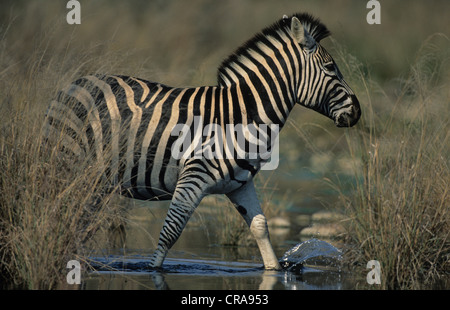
(313, 25)
(315, 28)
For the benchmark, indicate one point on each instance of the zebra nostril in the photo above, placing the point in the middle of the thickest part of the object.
(356, 108)
(344, 120)
(352, 111)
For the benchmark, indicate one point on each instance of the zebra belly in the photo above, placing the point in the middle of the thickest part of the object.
(234, 178)
(147, 188)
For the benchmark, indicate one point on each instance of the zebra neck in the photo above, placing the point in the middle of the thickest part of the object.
(266, 74)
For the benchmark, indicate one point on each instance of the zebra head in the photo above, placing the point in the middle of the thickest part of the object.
(322, 86)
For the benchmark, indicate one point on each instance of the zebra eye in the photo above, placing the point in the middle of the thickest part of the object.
(329, 67)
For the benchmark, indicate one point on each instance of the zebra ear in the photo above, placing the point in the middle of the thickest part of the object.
(301, 34)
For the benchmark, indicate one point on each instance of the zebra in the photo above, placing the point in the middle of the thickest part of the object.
(133, 119)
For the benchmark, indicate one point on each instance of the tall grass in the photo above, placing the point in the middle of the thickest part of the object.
(399, 213)
(47, 210)
(50, 205)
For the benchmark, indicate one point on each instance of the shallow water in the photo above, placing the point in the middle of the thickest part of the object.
(313, 264)
(197, 262)
(131, 273)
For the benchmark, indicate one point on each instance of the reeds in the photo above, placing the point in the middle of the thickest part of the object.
(50, 204)
(399, 211)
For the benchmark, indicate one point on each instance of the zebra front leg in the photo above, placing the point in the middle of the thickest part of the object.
(177, 217)
(247, 203)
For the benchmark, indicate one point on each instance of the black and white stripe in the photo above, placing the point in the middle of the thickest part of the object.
(126, 123)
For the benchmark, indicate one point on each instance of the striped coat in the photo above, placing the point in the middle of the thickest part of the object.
(128, 125)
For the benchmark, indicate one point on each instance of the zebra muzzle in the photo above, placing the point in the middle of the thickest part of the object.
(349, 115)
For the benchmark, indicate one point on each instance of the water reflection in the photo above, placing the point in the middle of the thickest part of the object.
(312, 265)
(197, 262)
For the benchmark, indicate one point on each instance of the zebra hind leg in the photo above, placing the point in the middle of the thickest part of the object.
(179, 213)
(246, 202)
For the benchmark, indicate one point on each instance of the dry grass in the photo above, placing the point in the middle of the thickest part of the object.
(49, 206)
(399, 212)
